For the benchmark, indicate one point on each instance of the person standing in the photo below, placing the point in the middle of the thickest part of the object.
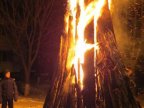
(8, 90)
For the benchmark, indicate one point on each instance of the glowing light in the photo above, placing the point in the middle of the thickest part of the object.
(87, 13)
(110, 4)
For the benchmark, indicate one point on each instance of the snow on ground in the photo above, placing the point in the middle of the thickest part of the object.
(34, 102)
(25, 102)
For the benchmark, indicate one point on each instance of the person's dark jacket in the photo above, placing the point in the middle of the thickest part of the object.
(8, 89)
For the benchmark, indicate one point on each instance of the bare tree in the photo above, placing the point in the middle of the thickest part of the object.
(23, 23)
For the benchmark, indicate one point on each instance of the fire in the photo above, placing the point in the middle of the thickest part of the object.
(87, 13)
(110, 4)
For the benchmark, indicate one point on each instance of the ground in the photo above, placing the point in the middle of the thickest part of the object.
(26, 102)
(37, 98)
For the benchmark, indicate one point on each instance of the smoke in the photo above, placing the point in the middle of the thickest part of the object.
(119, 11)
(119, 16)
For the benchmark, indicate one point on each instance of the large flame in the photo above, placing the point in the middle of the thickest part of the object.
(110, 4)
(86, 14)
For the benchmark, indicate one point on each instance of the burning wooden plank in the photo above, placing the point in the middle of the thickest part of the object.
(91, 73)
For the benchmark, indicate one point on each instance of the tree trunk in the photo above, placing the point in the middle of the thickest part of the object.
(27, 82)
(26, 89)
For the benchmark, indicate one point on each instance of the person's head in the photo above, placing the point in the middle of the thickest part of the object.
(7, 74)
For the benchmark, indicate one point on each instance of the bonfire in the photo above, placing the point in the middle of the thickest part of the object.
(91, 73)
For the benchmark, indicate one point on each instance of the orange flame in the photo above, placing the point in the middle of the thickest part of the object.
(110, 4)
(89, 12)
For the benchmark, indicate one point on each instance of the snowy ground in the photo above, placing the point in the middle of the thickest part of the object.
(37, 97)
(29, 103)
(25, 102)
